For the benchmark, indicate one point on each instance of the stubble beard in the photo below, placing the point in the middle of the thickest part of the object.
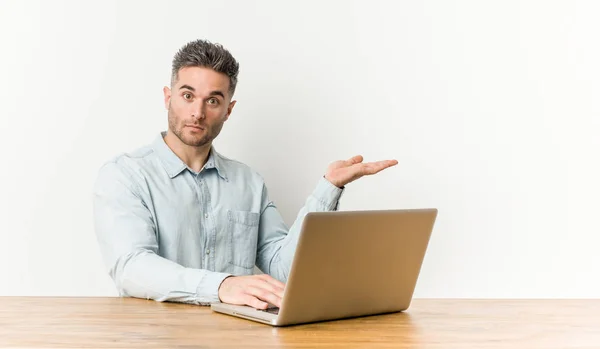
(189, 140)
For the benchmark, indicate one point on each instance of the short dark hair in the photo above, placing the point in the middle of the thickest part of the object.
(203, 53)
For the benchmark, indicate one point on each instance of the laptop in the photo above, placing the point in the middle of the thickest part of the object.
(349, 264)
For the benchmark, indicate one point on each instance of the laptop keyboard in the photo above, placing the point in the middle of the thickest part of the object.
(272, 310)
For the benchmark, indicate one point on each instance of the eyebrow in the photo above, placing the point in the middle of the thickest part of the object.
(188, 87)
(212, 93)
(217, 93)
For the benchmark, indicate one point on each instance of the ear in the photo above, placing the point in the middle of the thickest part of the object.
(167, 94)
(230, 109)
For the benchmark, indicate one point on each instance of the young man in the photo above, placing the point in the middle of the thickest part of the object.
(177, 221)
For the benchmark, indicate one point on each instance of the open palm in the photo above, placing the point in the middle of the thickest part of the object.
(342, 172)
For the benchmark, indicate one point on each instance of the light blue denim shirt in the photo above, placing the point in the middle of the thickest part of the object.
(171, 234)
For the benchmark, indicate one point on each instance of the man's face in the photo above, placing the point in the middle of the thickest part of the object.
(199, 103)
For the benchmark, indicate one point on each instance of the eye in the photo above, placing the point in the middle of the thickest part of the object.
(187, 96)
(213, 101)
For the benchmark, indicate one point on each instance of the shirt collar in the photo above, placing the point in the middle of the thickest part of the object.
(215, 160)
(174, 165)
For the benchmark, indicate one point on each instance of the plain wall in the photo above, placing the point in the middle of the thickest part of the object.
(492, 109)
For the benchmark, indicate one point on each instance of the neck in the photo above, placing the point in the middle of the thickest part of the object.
(194, 157)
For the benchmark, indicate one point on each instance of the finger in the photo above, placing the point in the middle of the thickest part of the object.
(271, 280)
(385, 164)
(375, 167)
(264, 295)
(264, 284)
(254, 302)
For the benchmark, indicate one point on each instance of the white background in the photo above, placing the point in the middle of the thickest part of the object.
(492, 109)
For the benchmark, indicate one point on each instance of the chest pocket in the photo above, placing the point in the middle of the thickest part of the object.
(243, 233)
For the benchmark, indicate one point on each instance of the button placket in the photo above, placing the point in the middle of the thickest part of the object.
(207, 227)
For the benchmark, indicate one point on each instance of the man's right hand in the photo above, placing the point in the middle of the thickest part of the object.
(257, 291)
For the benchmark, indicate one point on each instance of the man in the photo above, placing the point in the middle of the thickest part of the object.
(177, 221)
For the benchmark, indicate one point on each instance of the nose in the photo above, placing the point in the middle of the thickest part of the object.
(198, 110)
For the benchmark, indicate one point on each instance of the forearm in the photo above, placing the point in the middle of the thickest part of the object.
(143, 274)
(280, 253)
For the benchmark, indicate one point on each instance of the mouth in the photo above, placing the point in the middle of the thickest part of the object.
(196, 127)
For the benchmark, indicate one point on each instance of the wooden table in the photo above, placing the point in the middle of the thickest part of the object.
(135, 323)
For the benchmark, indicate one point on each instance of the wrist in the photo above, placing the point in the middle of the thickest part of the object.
(337, 184)
(221, 285)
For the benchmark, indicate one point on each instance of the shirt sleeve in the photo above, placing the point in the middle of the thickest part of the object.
(126, 234)
(277, 243)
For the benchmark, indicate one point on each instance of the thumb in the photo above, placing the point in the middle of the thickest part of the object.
(354, 160)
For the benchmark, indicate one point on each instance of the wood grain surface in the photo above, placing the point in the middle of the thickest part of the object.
(39, 322)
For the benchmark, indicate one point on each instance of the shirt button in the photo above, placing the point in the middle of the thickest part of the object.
(206, 215)
(207, 251)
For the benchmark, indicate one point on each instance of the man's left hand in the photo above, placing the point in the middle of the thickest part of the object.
(342, 172)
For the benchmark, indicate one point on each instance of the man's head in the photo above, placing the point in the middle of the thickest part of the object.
(203, 81)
